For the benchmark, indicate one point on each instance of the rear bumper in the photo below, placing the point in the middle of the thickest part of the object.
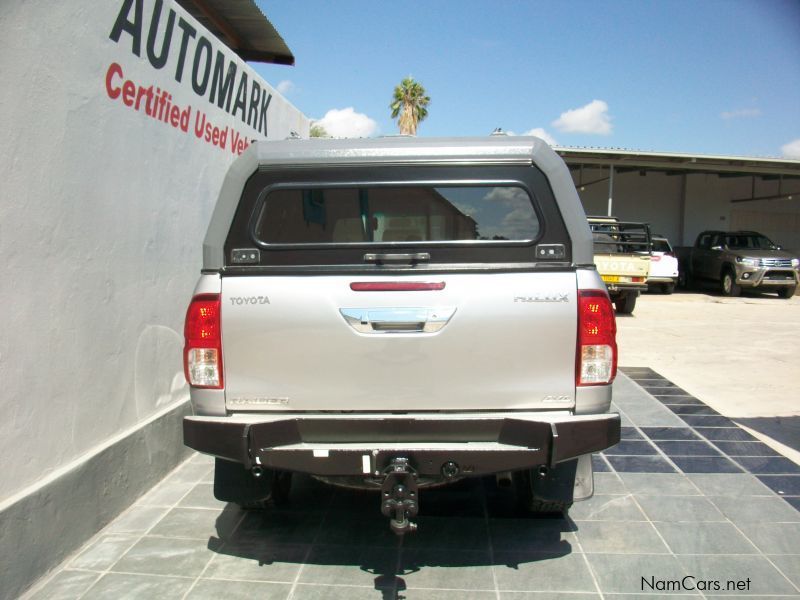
(625, 287)
(366, 444)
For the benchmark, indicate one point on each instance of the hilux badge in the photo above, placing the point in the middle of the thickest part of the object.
(543, 298)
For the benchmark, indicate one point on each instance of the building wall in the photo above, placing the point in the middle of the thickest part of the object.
(103, 209)
(652, 198)
(777, 219)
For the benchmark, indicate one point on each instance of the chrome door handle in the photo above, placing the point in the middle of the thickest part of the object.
(398, 320)
(410, 257)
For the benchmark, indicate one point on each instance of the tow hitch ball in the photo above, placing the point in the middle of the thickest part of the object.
(399, 499)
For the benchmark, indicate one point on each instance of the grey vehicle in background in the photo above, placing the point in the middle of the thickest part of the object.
(398, 313)
(739, 259)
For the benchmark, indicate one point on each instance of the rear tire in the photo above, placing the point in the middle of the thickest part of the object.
(667, 288)
(787, 292)
(728, 285)
(684, 279)
(280, 485)
(551, 495)
(625, 304)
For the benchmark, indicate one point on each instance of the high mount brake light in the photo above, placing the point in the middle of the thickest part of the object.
(202, 352)
(396, 286)
(596, 353)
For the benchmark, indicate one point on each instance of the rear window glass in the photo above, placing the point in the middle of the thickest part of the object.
(661, 246)
(380, 214)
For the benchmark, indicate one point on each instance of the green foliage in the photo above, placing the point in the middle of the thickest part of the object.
(409, 103)
(317, 131)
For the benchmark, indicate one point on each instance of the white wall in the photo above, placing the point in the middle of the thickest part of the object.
(709, 206)
(102, 215)
(651, 198)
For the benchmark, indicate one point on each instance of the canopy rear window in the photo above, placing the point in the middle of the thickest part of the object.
(378, 214)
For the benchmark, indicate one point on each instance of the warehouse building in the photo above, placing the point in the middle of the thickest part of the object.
(681, 195)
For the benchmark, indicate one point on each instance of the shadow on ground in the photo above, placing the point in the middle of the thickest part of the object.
(712, 289)
(785, 430)
(329, 528)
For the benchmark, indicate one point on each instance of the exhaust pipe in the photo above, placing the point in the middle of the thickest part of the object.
(543, 471)
(257, 471)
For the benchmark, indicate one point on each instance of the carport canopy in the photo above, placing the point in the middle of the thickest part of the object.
(242, 26)
(681, 195)
(624, 161)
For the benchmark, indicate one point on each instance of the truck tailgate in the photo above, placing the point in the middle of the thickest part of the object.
(623, 265)
(314, 344)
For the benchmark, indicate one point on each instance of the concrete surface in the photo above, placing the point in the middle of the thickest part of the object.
(672, 500)
(741, 356)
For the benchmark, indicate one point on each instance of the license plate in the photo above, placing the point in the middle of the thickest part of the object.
(610, 278)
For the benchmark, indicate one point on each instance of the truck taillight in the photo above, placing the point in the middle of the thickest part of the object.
(596, 360)
(202, 352)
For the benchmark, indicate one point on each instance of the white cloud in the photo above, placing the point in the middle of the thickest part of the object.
(541, 133)
(740, 113)
(347, 123)
(285, 87)
(792, 149)
(592, 118)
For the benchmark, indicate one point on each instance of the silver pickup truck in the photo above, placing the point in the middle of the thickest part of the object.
(399, 313)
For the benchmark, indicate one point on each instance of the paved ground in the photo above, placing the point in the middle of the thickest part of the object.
(686, 493)
(741, 356)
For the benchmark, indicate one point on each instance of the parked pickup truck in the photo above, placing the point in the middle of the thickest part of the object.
(622, 256)
(399, 313)
(739, 259)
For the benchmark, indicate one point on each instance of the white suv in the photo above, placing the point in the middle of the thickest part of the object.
(663, 266)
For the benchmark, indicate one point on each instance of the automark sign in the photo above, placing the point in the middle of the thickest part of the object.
(190, 58)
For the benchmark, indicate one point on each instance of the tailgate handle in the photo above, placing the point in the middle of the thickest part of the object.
(407, 257)
(398, 320)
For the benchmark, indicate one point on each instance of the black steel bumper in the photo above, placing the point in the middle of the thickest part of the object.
(366, 446)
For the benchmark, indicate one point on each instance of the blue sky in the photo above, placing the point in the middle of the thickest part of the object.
(711, 76)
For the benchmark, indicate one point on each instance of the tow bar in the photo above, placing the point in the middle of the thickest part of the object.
(399, 495)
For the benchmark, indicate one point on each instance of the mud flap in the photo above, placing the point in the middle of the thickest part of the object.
(234, 483)
(584, 479)
(558, 484)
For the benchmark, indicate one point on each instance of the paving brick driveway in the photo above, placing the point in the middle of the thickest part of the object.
(685, 493)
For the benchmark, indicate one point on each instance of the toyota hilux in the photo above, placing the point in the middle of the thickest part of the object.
(399, 313)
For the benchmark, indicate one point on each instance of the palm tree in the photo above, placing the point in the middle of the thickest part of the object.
(410, 103)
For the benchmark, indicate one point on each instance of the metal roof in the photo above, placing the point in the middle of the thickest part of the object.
(681, 163)
(242, 26)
